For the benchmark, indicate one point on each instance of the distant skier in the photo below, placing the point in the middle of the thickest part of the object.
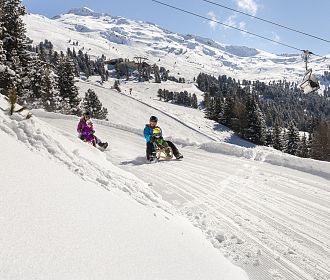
(86, 131)
(151, 138)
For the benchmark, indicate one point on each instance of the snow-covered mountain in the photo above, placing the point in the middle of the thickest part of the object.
(75, 212)
(183, 55)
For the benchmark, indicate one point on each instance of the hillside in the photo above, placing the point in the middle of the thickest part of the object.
(228, 210)
(248, 200)
(183, 55)
(68, 213)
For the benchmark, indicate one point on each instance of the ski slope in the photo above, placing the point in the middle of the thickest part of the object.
(266, 211)
(66, 212)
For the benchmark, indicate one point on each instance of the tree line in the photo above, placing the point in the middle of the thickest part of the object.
(40, 76)
(182, 98)
(272, 114)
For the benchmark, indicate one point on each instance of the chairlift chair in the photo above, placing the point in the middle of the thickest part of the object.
(309, 83)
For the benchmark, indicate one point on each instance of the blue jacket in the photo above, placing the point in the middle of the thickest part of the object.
(148, 131)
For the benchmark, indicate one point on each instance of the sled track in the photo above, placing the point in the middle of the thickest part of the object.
(281, 212)
(236, 206)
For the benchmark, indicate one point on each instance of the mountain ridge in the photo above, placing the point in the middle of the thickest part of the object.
(187, 54)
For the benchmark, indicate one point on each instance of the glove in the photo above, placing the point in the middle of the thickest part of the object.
(152, 138)
(79, 134)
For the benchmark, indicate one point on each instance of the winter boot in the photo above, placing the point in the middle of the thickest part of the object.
(151, 157)
(103, 145)
(178, 156)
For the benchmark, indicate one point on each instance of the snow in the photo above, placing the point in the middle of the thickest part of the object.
(266, 211)
(85, 11)
(118, 37)
(58, 222)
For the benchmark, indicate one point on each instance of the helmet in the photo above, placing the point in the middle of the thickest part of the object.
(87, 113)
(157, 131)
(153, 119)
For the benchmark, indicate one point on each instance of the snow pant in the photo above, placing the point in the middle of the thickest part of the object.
(97, 140)
(151, 149)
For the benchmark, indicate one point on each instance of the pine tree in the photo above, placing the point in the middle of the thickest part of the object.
(320, 147)
(210, 109)
(36, 80)
(156, 72)
(228, 112)
(92, 104)
(6, 75)
(50, 94)
(2, 51)
(100, 69)
(256, 126)
(194, 101)
(277, 137)
(68, 92)
(269, 139)
(14, 36)
(303, 150)
(160, 94)
(15, 44)
(292, 139)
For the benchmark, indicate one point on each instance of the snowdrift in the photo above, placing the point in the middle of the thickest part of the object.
(272, 156)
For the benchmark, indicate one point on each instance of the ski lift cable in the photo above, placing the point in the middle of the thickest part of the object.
(227, 25)
(268, 21)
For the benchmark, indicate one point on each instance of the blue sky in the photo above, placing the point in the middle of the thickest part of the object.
(308, 16)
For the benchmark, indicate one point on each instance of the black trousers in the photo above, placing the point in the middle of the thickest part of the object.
(151, 149)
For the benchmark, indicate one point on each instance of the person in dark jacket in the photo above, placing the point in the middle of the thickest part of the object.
(150, 138)
(84, 131)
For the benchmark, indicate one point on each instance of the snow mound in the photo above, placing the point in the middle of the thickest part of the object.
(272, 156)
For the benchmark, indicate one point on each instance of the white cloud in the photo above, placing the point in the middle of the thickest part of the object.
(230, 21)
(212, 24)
(242, 25)
(249, 6)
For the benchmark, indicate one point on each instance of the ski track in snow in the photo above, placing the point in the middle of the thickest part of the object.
(271, 220)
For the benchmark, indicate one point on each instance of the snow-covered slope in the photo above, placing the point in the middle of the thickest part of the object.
(65, 214)
(267, 211)
(183, 55)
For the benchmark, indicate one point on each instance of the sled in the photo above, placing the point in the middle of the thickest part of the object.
(93, 143)
(163, 153)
